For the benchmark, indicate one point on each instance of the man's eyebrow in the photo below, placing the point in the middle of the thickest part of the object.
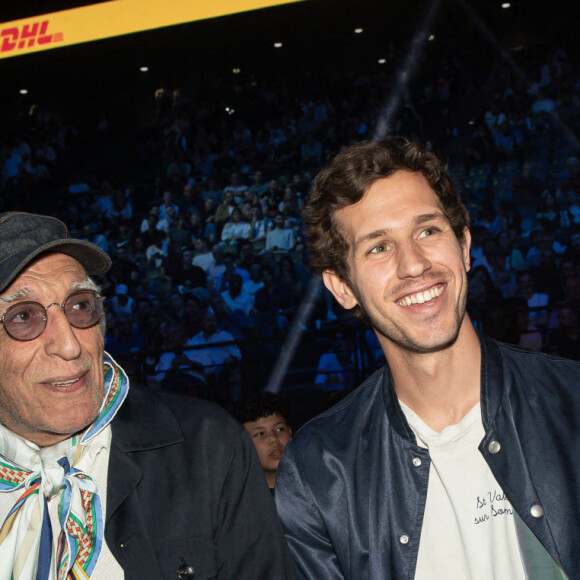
(27, 293)
(22, 293)
(419, 220)
(427, 217)
(86, 285)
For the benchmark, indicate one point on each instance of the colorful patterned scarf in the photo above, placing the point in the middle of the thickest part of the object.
(26, 535)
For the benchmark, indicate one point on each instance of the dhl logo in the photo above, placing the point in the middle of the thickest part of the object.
(26, 36)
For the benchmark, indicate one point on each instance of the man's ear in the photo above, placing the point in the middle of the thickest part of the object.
(465, 247)
(339, 289)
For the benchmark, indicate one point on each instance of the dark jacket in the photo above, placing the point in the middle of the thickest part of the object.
(184, 482)
(352, 485)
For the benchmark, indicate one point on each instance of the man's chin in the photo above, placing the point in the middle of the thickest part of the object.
(429, 344)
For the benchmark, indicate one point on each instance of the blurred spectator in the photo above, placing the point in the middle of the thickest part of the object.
(122, 303)
(236, 187)
(236, 228)
(247, 256)
(188, 274)
(258, 187)
(336, 369)
(169, 220)
(290, 206)
(180, 233)
(220, 361)
(255, 282)
(200, 229)
(515, 259)
(157, 250)
(527, 290)
(281, 238)
(149, 223)
(237, 300)
(231, 268)
(180, 370)
(311, 152)
(92, 235)
(260, 224)
(277, 303)
(508, 141)
(565, 339)
(288, 275)
(573, 181)
(481, 296)
(480, 148)
(204, 257)
(168, 210)
(193, 311)
(124, 336)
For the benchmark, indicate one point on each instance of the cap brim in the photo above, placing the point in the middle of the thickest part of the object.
(91, 257)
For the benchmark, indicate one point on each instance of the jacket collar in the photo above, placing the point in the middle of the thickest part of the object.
(144, 422)
(492, 380)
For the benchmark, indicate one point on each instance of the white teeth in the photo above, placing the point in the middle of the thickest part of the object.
(65, 383)
(421, 297)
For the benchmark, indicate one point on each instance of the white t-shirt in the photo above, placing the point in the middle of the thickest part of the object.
(468, 530)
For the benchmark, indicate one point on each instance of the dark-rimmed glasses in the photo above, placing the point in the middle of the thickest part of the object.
(27, 320)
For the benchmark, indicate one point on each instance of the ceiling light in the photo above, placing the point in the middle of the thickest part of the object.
(382, 60)
(358, 30)
(144, 69)
(277, 45)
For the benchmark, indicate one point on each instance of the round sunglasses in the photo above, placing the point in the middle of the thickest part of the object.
(27, 320)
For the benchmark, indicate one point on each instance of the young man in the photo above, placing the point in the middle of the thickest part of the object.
(99, 480)
(459, 458)
(265, 417)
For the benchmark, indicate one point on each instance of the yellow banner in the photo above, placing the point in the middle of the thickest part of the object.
(112, 18)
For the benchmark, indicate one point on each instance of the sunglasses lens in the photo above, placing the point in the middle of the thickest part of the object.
(83, 309)
(25, 321)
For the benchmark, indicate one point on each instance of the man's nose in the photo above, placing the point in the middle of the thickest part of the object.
(411, 260)
(59, 336)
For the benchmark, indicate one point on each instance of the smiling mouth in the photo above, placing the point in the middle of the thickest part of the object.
(65, 383)
(422, 297)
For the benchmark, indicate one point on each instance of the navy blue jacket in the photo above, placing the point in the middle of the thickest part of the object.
(185, 482)
(352, 485)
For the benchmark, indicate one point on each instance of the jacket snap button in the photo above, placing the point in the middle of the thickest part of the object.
(124, 543)
(494, 447)
(537, 510)
(404, 539)
(416, 461)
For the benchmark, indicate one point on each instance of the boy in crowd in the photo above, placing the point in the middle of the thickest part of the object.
(265, 417)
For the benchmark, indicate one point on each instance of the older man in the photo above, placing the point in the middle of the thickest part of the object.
(96, 480)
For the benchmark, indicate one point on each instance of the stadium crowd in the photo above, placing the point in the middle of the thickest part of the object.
(202, 217)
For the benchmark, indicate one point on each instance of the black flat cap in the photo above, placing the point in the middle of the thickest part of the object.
(24, 236)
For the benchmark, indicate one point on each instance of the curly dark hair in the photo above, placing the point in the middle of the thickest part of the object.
(350, 175)
(253, 406)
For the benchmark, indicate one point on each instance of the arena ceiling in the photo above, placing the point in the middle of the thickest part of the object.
(313, 33)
